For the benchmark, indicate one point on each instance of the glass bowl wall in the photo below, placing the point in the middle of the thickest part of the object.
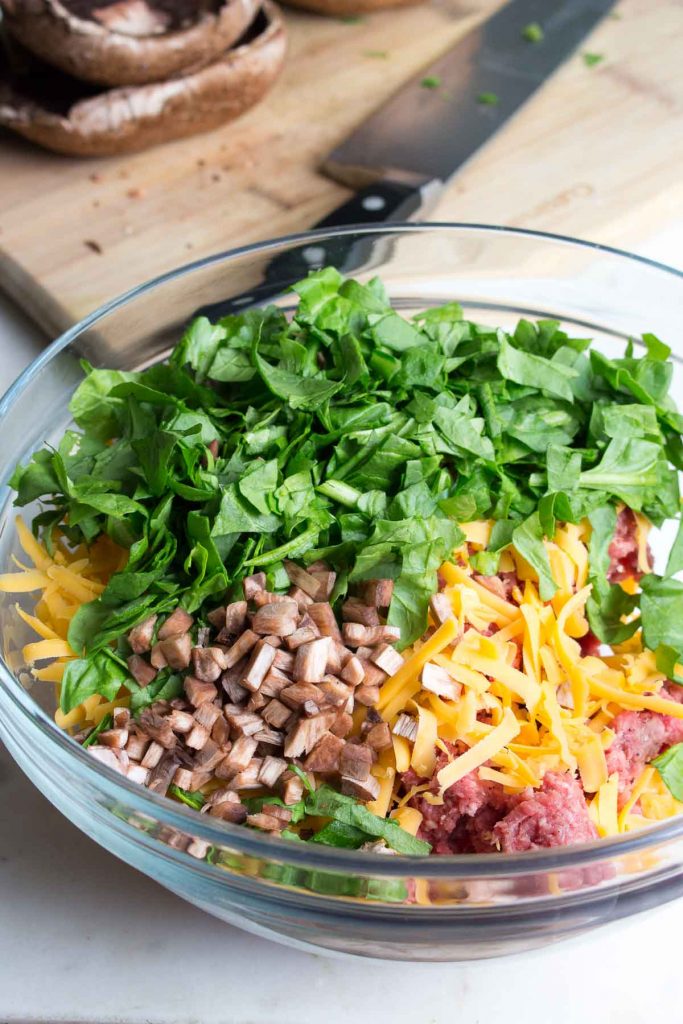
(440, 908)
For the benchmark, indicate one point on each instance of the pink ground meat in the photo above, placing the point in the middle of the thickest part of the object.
(640, 737)
(623, 551)
(480, 817)
(554, 815)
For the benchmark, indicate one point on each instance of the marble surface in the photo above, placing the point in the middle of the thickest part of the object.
(84, 938)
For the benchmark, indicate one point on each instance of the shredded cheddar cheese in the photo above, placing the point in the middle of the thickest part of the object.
(529, 701)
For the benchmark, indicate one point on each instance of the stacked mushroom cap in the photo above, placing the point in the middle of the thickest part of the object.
(91, 78)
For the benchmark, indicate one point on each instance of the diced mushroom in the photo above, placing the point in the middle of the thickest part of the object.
(154, 754)
(140, 636)
(198, 848)
(353, 671)
(274, 683)
(208, 663)
(248, 779)
(437, 680)
(181, 721)
(217, 617)
(302, 635)
(237, 693)
(310, 663)
(116, 759)
(326, 754)
(354, 634)
(121, 717)
(306, 733)
(227, 810)
(252, 584)
(405, 725)
(271, 770)
(235, 618)
(372, 674)
(310, 709)
(246, 723)
(177, 650)
(199, 693)
(268, 597)
(210, 755)
(265, 822)
(117, 738)
(160, 776)
(198, 737)
(276, 714)
(302, 579)
(177, 624)
(271, 737)
(157, 656)
(342, 725)
(366, 790)
(274, 641)
(302, 599)
(262, 658)
(387, 658)
(241, 647)
(366, 694)
(333, 665)
(281, 619)
(356, 761)
(136, 773)
(257, 701)
(297, 694)
(137, 745)
(378, 592)
(335, 692)
(292, 788)
(203, 635)
(206, 715)
(379, 736)
(158, 727)
(182, 778)
(323, 616)
(220, 733)
(354, 610)
(243, 750)
(326, 580)
(284, 661)
(441, 608)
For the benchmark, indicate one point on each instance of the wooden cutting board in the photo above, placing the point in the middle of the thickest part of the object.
(597, 153)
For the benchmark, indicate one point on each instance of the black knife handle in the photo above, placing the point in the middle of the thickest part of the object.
(384, 203)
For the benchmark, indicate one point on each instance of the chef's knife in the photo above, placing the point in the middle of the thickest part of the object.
(401, 157)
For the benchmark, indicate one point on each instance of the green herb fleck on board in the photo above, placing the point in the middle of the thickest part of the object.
(591, 59)
(431, 82)
(533, 33)
(352, 19)
(488, 99)
(376, 54)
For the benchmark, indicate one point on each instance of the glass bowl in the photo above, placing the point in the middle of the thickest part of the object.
(346, 902)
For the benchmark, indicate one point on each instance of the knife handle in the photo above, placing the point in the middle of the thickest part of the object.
(382, 203)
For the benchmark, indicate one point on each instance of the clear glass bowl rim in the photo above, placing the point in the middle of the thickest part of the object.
(250, 842)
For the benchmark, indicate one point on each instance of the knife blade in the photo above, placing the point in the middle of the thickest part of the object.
(402, 156)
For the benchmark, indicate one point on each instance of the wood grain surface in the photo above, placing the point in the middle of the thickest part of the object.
(597, 153)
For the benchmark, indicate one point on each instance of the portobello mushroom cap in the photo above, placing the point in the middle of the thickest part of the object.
(60, 113)
(128, 42)
(344, 8)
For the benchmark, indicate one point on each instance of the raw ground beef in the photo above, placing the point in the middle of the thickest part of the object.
(480, 817)
(623, 551)
(554, 815)
(640, 736)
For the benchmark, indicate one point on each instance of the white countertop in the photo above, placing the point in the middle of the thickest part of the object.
(84, 938)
